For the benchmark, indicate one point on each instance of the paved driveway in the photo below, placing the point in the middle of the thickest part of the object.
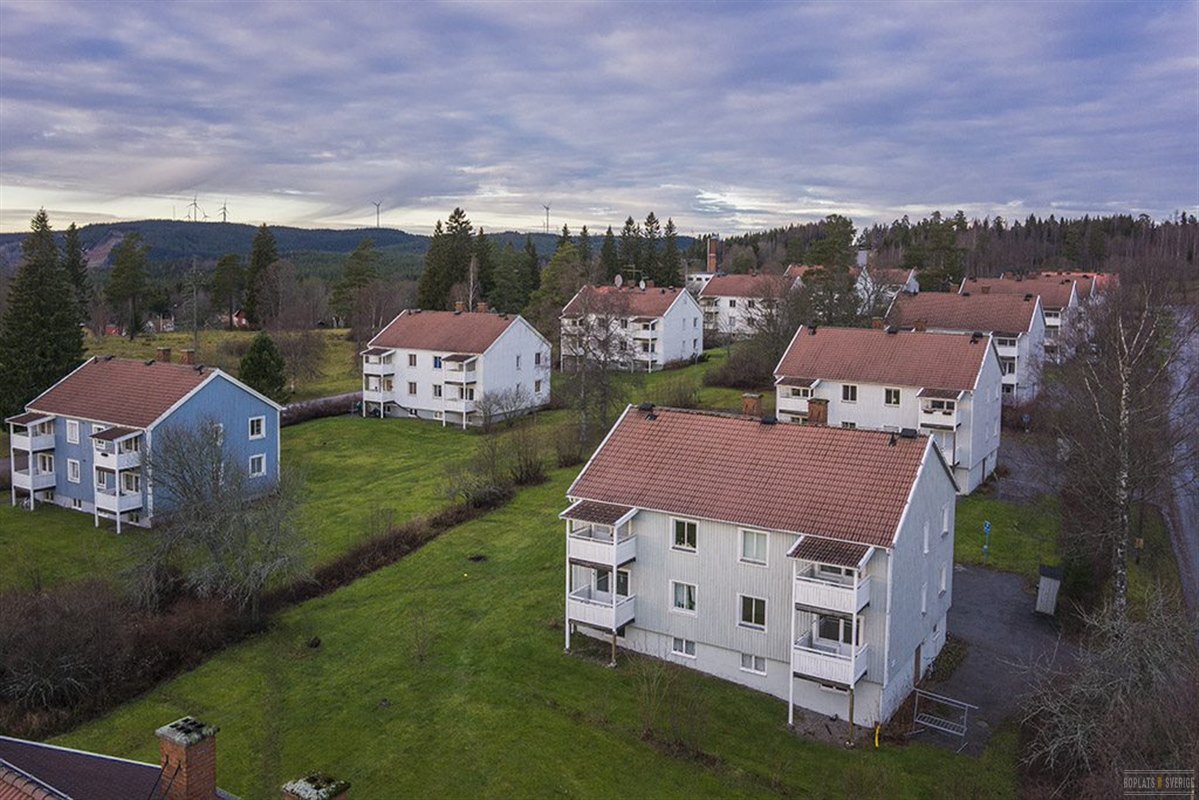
(993, 613)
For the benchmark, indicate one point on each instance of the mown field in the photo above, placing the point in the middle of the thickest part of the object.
(444, 676)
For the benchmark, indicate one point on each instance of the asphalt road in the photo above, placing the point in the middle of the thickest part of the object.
(1184, 508)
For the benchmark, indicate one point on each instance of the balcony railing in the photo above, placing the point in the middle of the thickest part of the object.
(111, 500)
(830, 661)
(453, 375)
(35, 482)
(642, 333)
(459, 404)
(938, 418)
(815, 591)
(600, 609)
(378, 368)
(594, 543)
(111, 456)
(377, 395)
(33, 441)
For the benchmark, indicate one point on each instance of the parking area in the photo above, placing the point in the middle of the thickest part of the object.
(993, 614)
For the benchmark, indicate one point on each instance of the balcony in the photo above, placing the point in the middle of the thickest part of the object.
(791, 405)
(378, 368)
(938, 418)
(600, 609)
(33, 441)
(459, 405)
(594, 544)
(35, 482)
(457, 374)
(112, 501)
(377, 395)
(829, 661)
(816, 591)
(642, 333)
(114, 457)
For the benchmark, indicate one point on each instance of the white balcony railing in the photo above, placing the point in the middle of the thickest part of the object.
(826, 660)
(596, 608)
(818, 592)
(36, 441)
(372, 368)
(110, 456)
(377, 395)
(111, 500)
(459, 404)
(35, 482)
(453, 375)
(592, 544)
(938, 419)
(642, 333)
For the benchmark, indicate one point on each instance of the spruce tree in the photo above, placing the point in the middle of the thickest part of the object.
(40, 337)
(609, 259)
(447, 261)
(485, 259)
(672, 263)
(563, 238)
(630, 248)
(263, 252)
(584, 246)
(431, 291)
(263, 368)
(228, 282)
(532, 266)
(651, 237)
(358, 272)
(127, 282)
(75, 266)
(510, 292)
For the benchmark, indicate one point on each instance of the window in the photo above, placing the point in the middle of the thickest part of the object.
(257, 466)
(942, 405)
(1008, 388)
(750, 304)
(466, 393)
(257, 427)
(752, 663)
(603, 581)
(684, 596)
(683, 647)
(537, 359)
(412, 359)
(944, 580)
(436, 362)
(732, 303)
(849, 393)
(694, 343)
(73, 470)
(684, 535)
(753, 547)
(1005, 342)
(695, 322)
(76, 503)
(102, 479)
(926, 537)
(849, 425)
(1007, 366)
(801, 391)
(537, 387)
(836, 629)
(45, 462)
(924, 598)
(753, 612)
(131, 482)
(98, 428)
(945, 520)
(437, 390)
(518, 361)
(73, 431)
(624, 323)
(891, 397)
(411, 387)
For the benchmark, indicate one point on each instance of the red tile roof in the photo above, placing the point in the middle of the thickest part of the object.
(651, 302)
(447, 331)
(940, 360)
(1088, 282)
(889, 277)
(989, 313)
(120, 391)
(850, 485)
(799, 270)
(1054, 291)
(747, 286)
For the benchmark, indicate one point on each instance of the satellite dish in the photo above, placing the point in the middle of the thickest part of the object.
(619, 281)
(641, 284)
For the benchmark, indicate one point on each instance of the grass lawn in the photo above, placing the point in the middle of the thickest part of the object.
(54, 545)
(1157, 563)
(339, 367)
(495, 709)
(1022, 536)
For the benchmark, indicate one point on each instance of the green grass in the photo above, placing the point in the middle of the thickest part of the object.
(1157, 563)
(1022, 536)
(53, 545)
(495, 709)
(339, 368)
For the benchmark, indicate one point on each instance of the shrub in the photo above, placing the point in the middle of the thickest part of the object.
(745, 368)
(678, 392)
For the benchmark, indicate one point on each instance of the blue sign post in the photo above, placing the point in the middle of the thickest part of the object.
(986, 539)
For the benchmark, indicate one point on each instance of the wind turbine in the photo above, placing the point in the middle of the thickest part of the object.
(224, 211)
(547, 216)
(193, 209)
(377, 204)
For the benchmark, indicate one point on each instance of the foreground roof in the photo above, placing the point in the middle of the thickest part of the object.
(628, 301)
(459, 332)
(890, 277)
(747, 286)
(906, 358)
(1054, 290)
(121, 391)
(988, 313)
(850, 485)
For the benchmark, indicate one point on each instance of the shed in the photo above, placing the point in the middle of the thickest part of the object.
(1047, 589)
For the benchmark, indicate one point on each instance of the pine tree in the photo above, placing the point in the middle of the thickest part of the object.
(447, 261)
(40, 337)
(75, 266)
(532, 266)
(510, 291)
(672, 263)
(127, 282)
(358, 272)
(263, 368)
(563, 238)
(630, 248)
(609, 259)
(430, 291)
(228, 282)
(584, 246)
(650, 257)
(263, 252)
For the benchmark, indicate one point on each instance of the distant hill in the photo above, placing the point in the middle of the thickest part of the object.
(317, 251)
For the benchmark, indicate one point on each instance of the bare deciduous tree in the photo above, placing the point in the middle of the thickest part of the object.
(595, 345)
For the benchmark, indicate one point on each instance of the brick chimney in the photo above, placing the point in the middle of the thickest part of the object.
(922, 325)
(187, 356)
(876, 323)
(713, 242)
(163, 355)
(481, 307)
(459, 306)
(188, 755)
(751, 404)
(317, 786)
(817, 412)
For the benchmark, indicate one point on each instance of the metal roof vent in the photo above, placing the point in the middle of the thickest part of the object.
(908, 433)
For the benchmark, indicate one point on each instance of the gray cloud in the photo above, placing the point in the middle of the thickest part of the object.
(725, 117)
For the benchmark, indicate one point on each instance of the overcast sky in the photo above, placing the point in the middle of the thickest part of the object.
(726, 117)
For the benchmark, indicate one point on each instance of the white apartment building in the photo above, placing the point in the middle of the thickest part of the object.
(947, 386)
(458, 367)
(816, 565)
(1060, 301)
(632, 329)
(1015, 322)
(734, 304)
